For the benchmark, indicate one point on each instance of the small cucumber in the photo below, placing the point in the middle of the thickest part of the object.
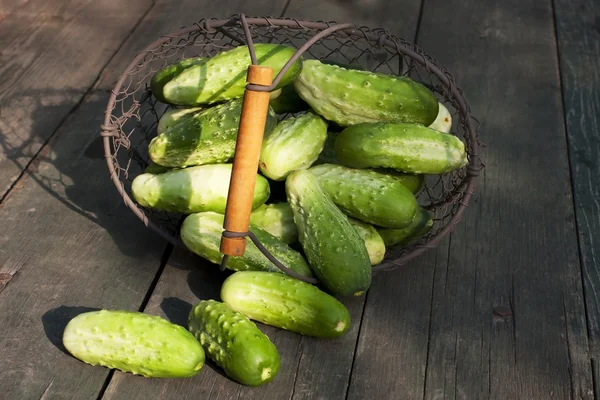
(201, 234)
(421, 224)
(207, 137)
(367, 195)
(286, 303)
(174, 116)
(223, 77)
(295, 143)
(350, 96)
(234, 343)
(335, 251)
(167, 73)
(278, 220)
(193, 189)
(411, 148)
(443, 121)
(134, 342)
(373, 241)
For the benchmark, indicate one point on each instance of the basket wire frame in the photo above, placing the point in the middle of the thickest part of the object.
(132, 113)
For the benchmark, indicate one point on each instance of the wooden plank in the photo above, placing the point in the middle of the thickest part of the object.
(35, 91)
(507, 309)
(67, 244)
(578, 27)
(325, 368)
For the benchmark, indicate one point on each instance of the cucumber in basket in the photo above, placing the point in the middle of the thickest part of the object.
(418, 227)
(201, 234)
(223, 77)
(351, 96)
(192, 189)
(173, 116)
(278, 220)
(234, 343)
(167, 73)
(287, 303)
(134, 342)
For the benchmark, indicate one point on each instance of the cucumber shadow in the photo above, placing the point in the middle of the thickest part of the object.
(55, 321)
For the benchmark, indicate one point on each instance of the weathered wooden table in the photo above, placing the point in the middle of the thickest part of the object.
(507, 307)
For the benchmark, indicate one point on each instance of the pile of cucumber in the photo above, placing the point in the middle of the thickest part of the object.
(337, 186)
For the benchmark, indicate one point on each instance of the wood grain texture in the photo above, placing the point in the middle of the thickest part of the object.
(325, 368)
(52, 53)
(69, 245)
(508, 317)
(578, 35)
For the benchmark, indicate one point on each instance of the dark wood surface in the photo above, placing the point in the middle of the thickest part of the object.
(505, 307)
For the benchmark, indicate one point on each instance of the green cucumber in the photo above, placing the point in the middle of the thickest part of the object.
(414, 183)
(223, 77)
(367, 195)
(174, 116)
(155, 169)
(167, 73)
(234, 343)
(443, 121)
(350, 96)
(335, 251)
(419, 227)
(295, 143)
(288, 101)
(193, 189)
(286, 303)
(373, 241)
(201, 234)
(410, 148)
(207, 137)
(278, 220)
(134, 342)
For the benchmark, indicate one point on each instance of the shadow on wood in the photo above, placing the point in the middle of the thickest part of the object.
(55, 321)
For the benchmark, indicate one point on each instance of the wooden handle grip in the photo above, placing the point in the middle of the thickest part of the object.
(245, 163)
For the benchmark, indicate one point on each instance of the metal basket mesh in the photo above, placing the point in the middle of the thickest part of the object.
(133, 113)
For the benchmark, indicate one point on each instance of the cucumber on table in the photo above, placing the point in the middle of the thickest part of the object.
(367, 195)
(193, 189)
(134, 342)
(234, 343)
(201, 234)
(207, 137)
(167, 73)
(335, 251)
(411, 148)
(287, 303)
(277, 219)
(295, 143)
(350, 96)
(223, 77)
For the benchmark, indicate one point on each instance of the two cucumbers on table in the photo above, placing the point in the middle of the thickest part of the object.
(337, 185)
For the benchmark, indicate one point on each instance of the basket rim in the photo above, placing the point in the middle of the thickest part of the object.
(473, 168)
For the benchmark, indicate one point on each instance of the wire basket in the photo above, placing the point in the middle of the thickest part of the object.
(132, 113)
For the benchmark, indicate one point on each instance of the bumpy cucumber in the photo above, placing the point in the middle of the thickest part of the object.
(193, 189)
(287, 303)
(288, 101)
(421, 224)
(278, 220)
(207, 137)
(367, 195)
(414, 183)
(167, 73)
(349, 96)
(234, 343)
(411, 148)
(174, 116)
(335, 251)
(201, 234)
(443, 121)
(373, 241)
(295, 143)
(223, 77)
(134, 342)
